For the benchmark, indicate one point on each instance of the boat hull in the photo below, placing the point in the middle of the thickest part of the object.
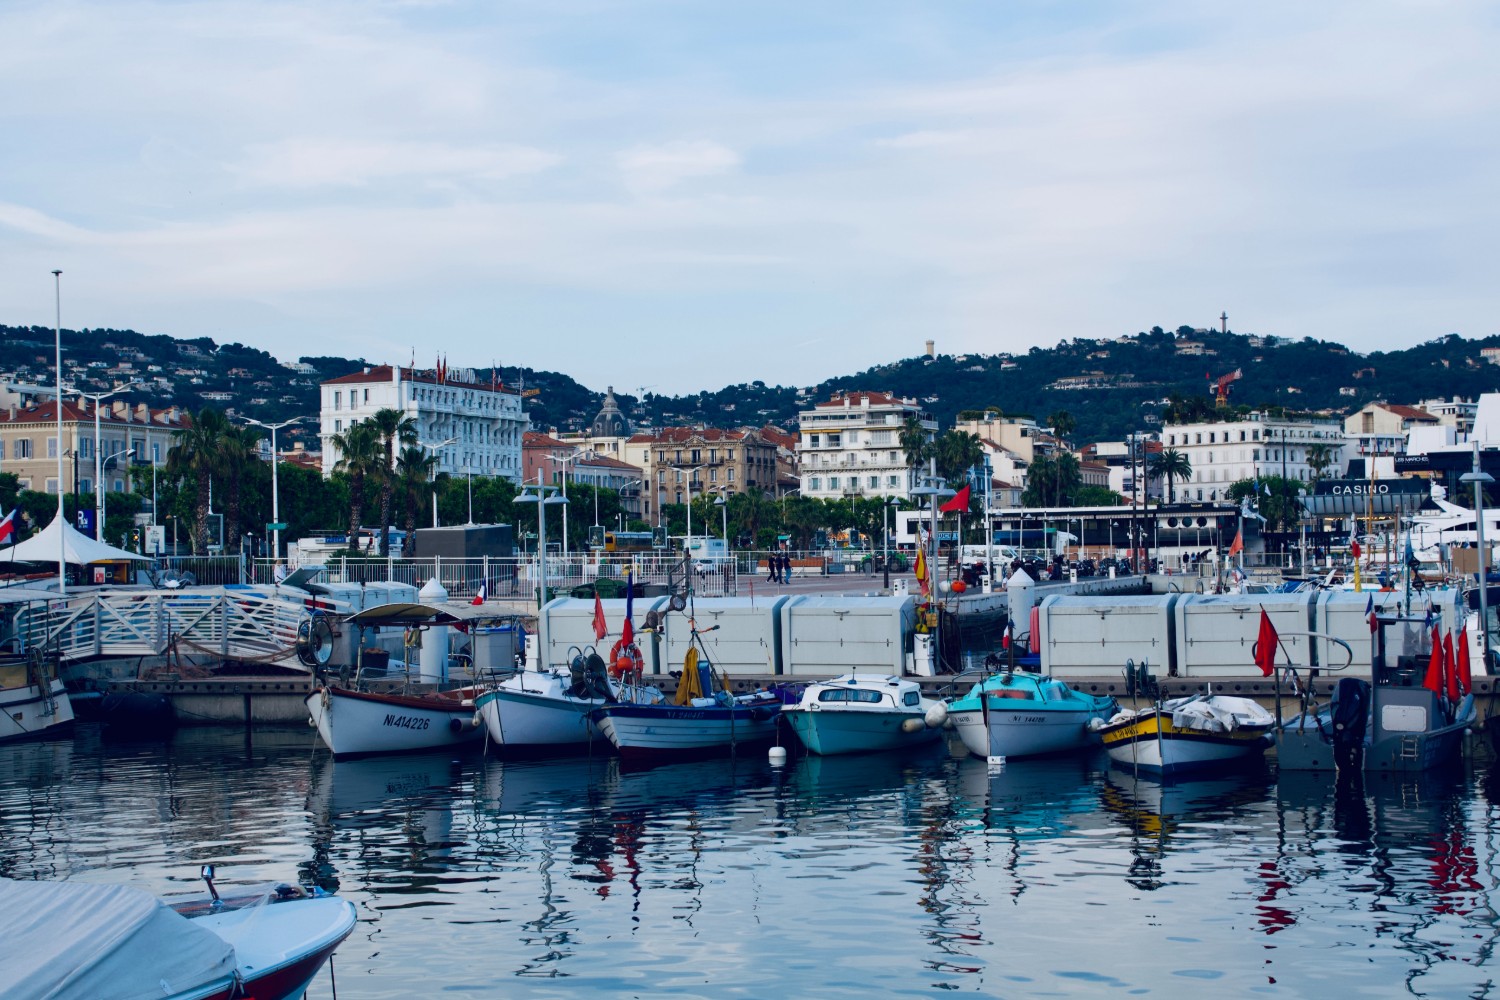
(674, 731)
(1151, 742)
(1031, 732)
(32, 712)
(359, 723)
(835, 732)
(520, 719)
(287, 975)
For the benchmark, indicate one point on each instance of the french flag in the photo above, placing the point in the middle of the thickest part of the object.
(1370, 614)
(8, 528)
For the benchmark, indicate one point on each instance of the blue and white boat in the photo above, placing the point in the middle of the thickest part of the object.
(864, 713)
(1014, 714)
(723, 723)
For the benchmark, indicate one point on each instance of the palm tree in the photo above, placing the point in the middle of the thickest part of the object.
(360, 457)
(237, 449)
(1172, 464)
(914, 443)
(1320, 457)
(414, 468)
(392, 427)
(195, 454)
(957, 452)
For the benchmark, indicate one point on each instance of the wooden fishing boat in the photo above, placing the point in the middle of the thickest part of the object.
(1202, 732)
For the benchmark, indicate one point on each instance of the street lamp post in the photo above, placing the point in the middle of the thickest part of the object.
(62, 541)
(541, 500)
(688, 544)
(99, 528)
(885, 541)
(1480, 479)
(275, 483)
(434, 448)
(99, 397)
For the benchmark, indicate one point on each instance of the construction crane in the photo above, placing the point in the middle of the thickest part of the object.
(1220, 386)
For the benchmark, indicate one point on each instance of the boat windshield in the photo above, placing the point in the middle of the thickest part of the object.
(849, 694)
(911, 699)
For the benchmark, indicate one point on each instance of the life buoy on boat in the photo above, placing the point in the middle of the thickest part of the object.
(625, 658)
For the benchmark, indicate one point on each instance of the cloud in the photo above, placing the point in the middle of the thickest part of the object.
(305, 162)
(655, 168)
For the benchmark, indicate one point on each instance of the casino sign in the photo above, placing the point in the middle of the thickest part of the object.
(1361, 497)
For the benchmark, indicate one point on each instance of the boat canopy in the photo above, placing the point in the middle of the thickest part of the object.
(75, 941)
(403, 613)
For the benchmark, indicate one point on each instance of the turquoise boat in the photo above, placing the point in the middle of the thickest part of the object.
(1013, 714)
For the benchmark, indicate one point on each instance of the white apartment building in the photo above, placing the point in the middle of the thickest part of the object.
(472, 427)
(851, 445)
(1254, 445)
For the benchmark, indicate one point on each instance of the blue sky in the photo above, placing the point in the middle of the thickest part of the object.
(684, 195)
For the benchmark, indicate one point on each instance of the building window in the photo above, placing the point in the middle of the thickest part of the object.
(367, 395)
(22, 448)
(729, 475)
(338, 426)
(338, 399)
(52, 486)
(52, 447)
(874, 482)
(713, 475)
(815, 483)
(833, 482)
(85, 486)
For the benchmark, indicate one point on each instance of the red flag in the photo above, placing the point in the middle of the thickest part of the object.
(1354, 548)
(1465, 676)
(600, 629)
(960, 501)
(1433, 679)
(1265, 645)
(627, 630)
(922, 569)
(1238, 545)
(1450, 669)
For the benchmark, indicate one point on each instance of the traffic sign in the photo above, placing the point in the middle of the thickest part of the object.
(278, 526)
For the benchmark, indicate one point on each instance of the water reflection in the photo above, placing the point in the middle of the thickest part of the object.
(1049, 876)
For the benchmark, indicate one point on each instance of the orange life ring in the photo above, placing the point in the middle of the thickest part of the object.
(625, 658)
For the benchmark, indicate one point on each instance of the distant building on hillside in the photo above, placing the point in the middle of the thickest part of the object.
(1223, 453)
(851, 445)
(28, 442)
(471, 426)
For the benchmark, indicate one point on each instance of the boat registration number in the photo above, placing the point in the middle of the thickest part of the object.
(406, 722)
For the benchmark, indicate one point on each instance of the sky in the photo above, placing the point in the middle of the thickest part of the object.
(678, 196)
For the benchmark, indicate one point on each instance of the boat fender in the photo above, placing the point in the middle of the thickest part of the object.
(477, 721)
(936, 717)
(913, 725)
(1095, 724)
(327, 700)
(456, 726)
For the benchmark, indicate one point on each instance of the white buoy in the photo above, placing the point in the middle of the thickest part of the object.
(778, 756)
(936, 716)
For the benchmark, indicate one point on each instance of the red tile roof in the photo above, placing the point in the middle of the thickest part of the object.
(859, 399)
(1407, 412)
(72, 412)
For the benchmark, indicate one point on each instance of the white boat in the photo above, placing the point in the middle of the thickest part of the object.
(1022, 715)
(33, 702)
(859, 713)
(1200, 732)
(540, 709)
(77, 941)
(358, 723)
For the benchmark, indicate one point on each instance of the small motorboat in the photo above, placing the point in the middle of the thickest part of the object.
(860, 713)
(78, 941)
(355, 723)
(551, 709)
(704, 718)
(1013, 714)
(1196, 733)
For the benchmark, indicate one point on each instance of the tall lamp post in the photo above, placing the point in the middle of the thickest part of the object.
(885, 540)
(1480, 479)
(275, 482)
(688, 544)
(62, 541)
(99, 397)
(542, 500)
(434, 448)
(99, 528)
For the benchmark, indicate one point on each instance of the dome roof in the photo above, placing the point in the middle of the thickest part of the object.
(610, 422)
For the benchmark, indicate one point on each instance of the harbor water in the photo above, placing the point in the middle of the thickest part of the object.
(829, 877)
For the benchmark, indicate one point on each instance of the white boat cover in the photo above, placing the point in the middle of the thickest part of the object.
(74, 941)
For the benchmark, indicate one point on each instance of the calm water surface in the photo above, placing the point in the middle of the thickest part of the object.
(885, 876)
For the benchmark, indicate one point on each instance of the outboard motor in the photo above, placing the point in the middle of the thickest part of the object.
(1349, 717)
(598, 677)
(578, 677)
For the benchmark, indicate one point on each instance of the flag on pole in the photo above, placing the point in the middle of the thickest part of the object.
(482, 595)
(959, 502)
(1265, 645)
(627, 630)
(8, 528)
(1450, 668)
(1465, 675)
(1370, 614)
(600, 628)
(1433, 679)
(1238, 545)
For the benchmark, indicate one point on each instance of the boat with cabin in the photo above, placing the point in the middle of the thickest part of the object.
(1015, 714)
(864, 713)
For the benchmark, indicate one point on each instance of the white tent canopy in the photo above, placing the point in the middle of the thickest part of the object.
(79, 549)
